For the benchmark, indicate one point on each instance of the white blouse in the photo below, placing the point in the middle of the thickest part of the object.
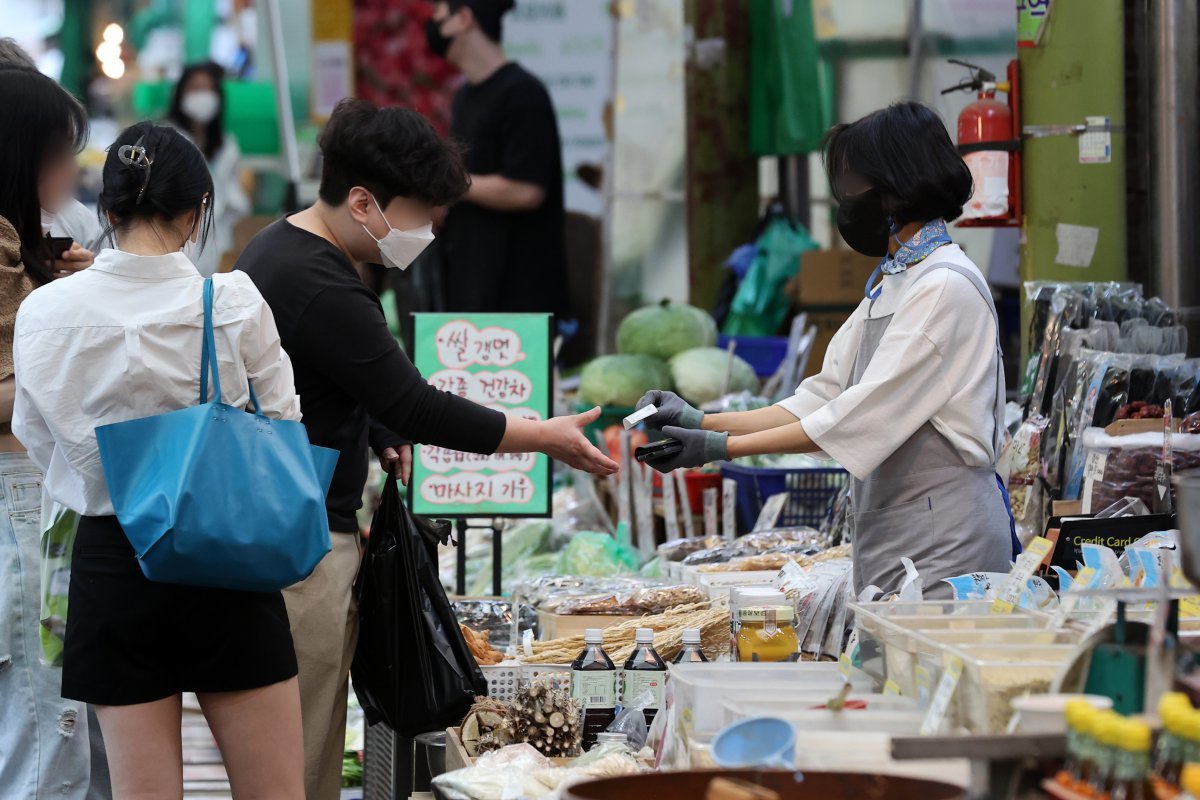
(935, 363)
(121, 340)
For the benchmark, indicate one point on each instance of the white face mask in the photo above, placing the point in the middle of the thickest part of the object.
(398, 248)
(201, 106)
(48, 220)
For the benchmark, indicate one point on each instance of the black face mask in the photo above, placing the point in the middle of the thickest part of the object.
(439, 45)
(863, 224)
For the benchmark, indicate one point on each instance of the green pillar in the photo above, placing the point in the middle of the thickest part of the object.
(199, 18)
(1077, 71)
(77, 47)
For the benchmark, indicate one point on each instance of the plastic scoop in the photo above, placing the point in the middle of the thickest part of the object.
(755, 742)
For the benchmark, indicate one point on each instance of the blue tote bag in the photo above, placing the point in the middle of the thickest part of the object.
(215, 496)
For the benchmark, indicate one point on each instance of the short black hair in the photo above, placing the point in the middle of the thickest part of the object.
(175, 183)
(488, 13)
(391, 152)
(904, 151)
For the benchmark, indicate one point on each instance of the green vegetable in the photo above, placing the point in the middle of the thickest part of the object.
(596, 555)
(665, 329)
(699, 374)
(621, 380)
(352, 769)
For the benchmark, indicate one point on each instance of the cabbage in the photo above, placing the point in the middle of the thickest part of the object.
(665, 329)
(699, 374)
(622, 380)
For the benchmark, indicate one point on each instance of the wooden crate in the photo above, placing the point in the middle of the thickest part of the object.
(559, 626)
(456, 754)
(457, 758)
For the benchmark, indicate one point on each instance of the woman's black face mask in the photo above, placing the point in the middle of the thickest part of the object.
(863, 224)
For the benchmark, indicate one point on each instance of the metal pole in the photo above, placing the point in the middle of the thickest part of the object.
(283, 106)
(916, 38)
(794, 190)
(460, 559)
(604, 326)
(1173, 119)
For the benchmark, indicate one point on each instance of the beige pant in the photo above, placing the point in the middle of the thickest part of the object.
(324, 619)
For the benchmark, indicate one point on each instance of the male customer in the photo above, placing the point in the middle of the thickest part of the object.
(503, 244)
(384, 171)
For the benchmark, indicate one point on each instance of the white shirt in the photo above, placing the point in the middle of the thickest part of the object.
(122, 341)
(936, 363)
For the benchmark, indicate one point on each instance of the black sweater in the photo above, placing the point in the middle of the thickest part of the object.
(354, 381)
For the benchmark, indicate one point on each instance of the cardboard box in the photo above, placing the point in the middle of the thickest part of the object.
(832, 278)
(560, 626)
(828, 323)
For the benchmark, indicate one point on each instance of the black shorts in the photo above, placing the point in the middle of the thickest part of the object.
(130, 640)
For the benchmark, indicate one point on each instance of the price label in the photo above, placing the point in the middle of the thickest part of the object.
(923, 685)
(710, 513)
(670, 507)
(936, 715)
(1070, 598)
(852, 645)
(1189, 607)
(845, 665)
(890, 687)
(728, 506)
(1010, 592)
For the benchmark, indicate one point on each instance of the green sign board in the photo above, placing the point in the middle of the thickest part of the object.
(1031, 18)
(501, 361)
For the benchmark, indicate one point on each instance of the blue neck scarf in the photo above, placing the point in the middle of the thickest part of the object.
(932, 236)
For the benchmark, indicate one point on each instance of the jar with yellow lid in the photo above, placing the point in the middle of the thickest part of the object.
(1190, 779)
(765, 633)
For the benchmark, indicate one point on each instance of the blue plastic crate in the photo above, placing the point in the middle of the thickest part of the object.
(810, 492)
(764, 353)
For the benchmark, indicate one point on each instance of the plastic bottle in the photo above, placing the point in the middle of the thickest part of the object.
(1073, 775)
(1189, 778)
(594, 686)
(1131, 770)
(645, 671)
(1105, 736)
(692, 652)
(1168, 753)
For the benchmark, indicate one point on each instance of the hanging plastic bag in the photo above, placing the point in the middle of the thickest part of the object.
(412, 668)
(59, 524)
(597, 555)
(760, 304)
(631, 720)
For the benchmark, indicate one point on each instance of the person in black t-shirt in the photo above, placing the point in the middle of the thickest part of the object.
(384, 171)
(503, 244)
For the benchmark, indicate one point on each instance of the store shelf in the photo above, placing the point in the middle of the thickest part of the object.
(1009, 747)
(1138, 595)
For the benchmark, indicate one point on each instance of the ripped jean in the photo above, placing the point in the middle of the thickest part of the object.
(44, 749)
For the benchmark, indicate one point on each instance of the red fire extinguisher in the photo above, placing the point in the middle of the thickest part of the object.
(989, 140)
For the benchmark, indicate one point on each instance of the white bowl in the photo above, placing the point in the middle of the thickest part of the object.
(1046, 713)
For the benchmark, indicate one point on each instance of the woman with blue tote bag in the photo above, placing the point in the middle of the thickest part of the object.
(122, 341)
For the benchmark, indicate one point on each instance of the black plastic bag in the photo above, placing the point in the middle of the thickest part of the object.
(412, 668)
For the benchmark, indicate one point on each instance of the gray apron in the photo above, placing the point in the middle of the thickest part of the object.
(923, 501)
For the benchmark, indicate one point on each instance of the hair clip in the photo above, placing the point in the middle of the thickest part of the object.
(135, 155)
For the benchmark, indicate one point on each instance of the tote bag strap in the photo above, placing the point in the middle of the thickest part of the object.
(208, 355)
(208, 352)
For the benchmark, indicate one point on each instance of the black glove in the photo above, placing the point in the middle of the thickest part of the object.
(699, 448)
(672, 410)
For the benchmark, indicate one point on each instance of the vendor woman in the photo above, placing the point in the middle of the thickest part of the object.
(910, 398)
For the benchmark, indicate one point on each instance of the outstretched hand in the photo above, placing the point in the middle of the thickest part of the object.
(566, 442)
